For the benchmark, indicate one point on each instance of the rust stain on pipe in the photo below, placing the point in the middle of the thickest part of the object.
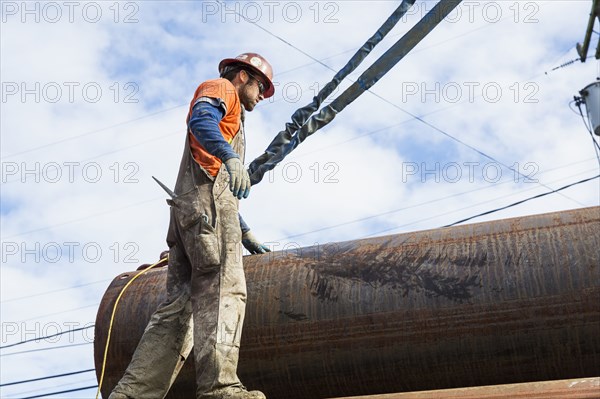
(586, 388)
(499, 302)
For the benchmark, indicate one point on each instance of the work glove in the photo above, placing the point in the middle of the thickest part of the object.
(253, 245)
(239, 182)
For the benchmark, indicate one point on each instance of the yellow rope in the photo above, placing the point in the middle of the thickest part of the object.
(112, 317)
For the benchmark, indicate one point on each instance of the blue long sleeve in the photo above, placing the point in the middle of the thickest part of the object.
(204, 125)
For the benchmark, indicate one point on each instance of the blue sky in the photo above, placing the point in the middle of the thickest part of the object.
(94, 156)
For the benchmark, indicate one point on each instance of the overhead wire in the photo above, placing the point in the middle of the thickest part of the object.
(441, 109)
(389, 212)
(522, 201)
(47, 336)
(86, 217)
(369, 133)
(57, 313)
(61, 392)
(437, 216)
(45, 349)
(353, 49)
(137, 144)
(46, 377)
(469, 146)
(103, 129)
(54, 291)
(78, 382)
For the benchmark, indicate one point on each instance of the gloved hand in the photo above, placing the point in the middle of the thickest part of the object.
(239, 182)
(253, 245)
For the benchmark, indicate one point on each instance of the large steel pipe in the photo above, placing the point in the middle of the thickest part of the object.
(580, 388)
(500, 302)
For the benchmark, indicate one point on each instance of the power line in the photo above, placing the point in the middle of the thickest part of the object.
(91, 132)
(467, 145)
(46, 378)
(522, 201)
(435, 111)
(86, 217)
(354, 49)
(463, 208)
(45, 349)
(441, 109)
(389, 212)
(414, 206)
(53, 291)
(48, 336)
(137, 144)
(57, 313)
(79, 382)
(59, 392)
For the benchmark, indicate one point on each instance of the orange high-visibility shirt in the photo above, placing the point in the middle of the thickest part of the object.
(219, 92)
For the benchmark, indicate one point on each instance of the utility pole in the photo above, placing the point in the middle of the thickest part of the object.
(583, 49)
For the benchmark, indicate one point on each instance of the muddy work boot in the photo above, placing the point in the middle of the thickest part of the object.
(117, 395)
(233, 393)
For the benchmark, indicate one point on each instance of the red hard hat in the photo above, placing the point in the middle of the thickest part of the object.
(256, 63)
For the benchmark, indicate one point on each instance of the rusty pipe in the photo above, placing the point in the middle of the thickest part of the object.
(499, 302)
(580, 388)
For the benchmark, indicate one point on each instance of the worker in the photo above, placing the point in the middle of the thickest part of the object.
(205, 277)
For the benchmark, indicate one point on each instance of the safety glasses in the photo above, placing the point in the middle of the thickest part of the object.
(261, 86)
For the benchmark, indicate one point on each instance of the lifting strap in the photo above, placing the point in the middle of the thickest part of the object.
(304, 125)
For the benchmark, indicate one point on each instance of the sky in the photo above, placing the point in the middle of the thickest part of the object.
(94, 101)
